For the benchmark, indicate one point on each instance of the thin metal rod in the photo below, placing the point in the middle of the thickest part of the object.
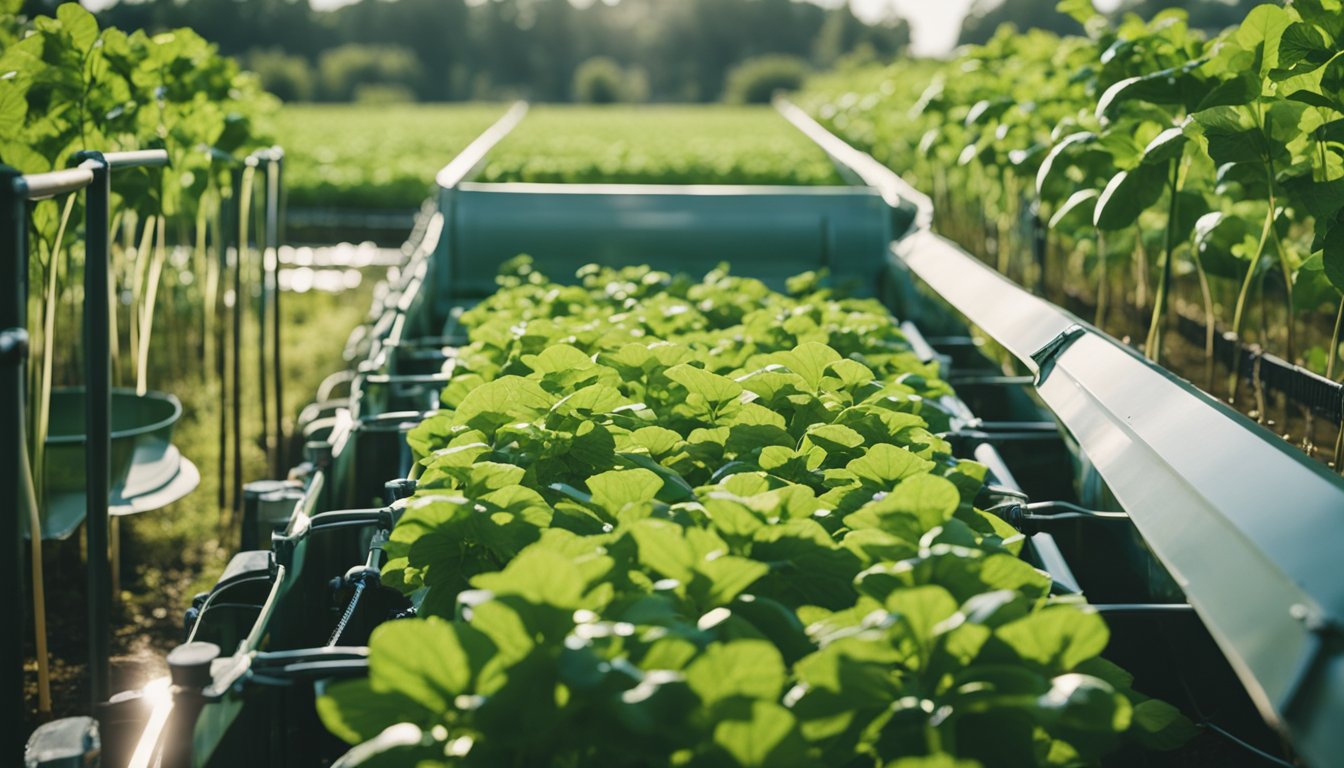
(13, 437)
(1142, 608)
(990, 381)
(237, 342)
(263, 298)
(98, 413)
(137, 158)
(40, 186)
(1061, 510)
(275, 191)
(222, 235)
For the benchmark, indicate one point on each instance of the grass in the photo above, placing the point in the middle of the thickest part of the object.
(681, 144)
(360, 156)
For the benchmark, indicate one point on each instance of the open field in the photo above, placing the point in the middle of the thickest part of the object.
(359, 156)
(658, 145)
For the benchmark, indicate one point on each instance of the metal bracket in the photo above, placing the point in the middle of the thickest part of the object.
(13, 346)
(1046, 356)
(1322, 630)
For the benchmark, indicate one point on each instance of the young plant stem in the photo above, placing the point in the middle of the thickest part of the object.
(1140, 271)
(1153, 345)
(1210, 322)
(1103, 283)
(48, 354)
(147, 306)
(1240, 312)
(1332, 353)
(1288, 320)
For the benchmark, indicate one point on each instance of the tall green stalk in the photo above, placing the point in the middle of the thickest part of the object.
(42, 413)
(1153, 345)
(1240, 312)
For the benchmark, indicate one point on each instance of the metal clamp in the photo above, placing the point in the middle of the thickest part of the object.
(1046, 356)
(13, 346)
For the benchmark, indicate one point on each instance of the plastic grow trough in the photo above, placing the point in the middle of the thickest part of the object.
(1219, 588)
(147, 470)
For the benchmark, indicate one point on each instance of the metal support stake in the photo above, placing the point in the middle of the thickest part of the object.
(236, 383)
(13, 359)
(275, 170)
(98, 411)
(263, 299)
(222, 236)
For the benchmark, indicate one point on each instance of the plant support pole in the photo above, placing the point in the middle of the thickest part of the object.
(236, 358)
(98, 410)
(13, 436)
(263, 299)
(274, 189)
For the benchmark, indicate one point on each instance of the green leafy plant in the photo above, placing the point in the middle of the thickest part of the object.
(658, 145)
(669, 522)
(1221, 155)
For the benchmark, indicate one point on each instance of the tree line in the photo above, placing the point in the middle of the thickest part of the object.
(440, 50)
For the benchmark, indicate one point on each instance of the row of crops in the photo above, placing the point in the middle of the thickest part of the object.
(70, 86)
(662, 521)
(333, 165)
(658, 145)
(333, 162)
(184, 298)
(1137, 168)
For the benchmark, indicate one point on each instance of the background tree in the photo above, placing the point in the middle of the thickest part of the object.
(478, 49)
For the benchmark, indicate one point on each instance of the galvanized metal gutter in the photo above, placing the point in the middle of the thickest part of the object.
(1251, 529)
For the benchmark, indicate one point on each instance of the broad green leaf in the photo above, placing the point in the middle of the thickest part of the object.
(1058, 638)
(591, 400)
(930, 499)
(1085, 705)
(1051, 165)
(619, 488)
(429, 661)
(729, 576)
(809, 361)
(558, 358)
(922, 609)
(1262, 31)
(539, 575)
(1129, 194)
(768, 738)
(1159, 725)
(354, 712)
(1167, 147)
(80, 24)
(750, 668)
(885, 465)
(713, 389)
(663, 547)
(1077, 211)
(502, 401)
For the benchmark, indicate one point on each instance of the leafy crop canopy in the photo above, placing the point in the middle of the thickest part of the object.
(659, 145)
(715, 542)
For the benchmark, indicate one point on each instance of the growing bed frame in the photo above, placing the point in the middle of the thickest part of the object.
(1217, 576)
